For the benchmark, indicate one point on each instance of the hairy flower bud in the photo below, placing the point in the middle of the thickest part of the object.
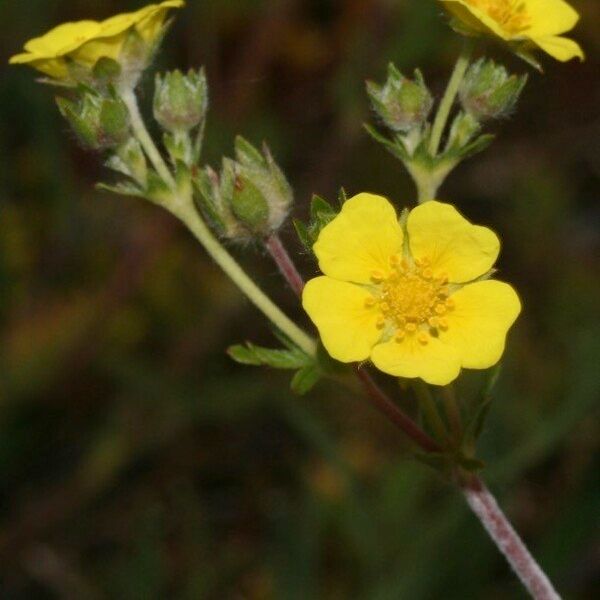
(100, 122)
(489, 92)
(180, 101)
(402, 104)
(251, 197)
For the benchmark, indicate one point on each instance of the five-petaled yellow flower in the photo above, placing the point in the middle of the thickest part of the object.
(82, 44)
(532, 22)
(410, 296)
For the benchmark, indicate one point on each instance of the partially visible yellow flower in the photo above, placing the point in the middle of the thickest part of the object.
(410, 297)
(533, 22)
(80, 45)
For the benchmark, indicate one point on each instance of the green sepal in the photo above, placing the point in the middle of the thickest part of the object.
(106, 70)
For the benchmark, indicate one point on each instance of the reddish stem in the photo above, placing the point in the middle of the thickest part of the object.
(396, 415)
(485, 507)
(286, 265)
(376, 395)
(478, 497)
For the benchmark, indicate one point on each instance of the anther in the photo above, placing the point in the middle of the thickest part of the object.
(380, 323)
(423, 338)
(377, 276)
(440, 309)
(450, 303)
(411, 327)
(370, 302)
(385, 307)
(433, 322)
(400, 335)
(443, 324)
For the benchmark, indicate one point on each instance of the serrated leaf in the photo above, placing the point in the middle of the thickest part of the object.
(277, 359)
(305, 379)
(303, 234)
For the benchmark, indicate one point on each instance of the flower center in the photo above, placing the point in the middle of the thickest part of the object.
(412, 300)
(511, 15)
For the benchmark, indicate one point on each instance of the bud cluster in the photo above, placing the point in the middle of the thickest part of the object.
(250, 198)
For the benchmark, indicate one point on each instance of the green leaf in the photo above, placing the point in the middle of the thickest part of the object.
(306, 378)
(278, 359)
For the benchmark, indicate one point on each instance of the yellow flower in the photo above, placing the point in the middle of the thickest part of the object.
(409, 296)
(80, 45)
(531, 22)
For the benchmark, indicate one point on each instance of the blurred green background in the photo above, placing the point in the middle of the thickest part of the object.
(138, 462)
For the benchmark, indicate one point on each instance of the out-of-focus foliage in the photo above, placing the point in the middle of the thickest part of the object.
(138, 461)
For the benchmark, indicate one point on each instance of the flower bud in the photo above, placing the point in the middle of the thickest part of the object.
(100, 122)
(130, 160)
(464, 128)
(402, 104)
(251, 198)
(489, 92)
(180, 101)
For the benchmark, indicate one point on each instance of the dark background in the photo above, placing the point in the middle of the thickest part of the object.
(138, 462)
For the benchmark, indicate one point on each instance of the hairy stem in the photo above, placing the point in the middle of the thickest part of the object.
(285, 264)
(189, 215)
(441, 118)
(184, 209)
(141, 133)
(395, 414)
(378, 398)
(485, 507)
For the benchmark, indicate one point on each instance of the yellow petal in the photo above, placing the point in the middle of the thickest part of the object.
(62, 39)
(101, 47)
(475, 19)
(360, 240)
(477, 325)
(435, 362)
(550, 17)
(561, 48)
(347, 327)
(461, 250)
(150, 25)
